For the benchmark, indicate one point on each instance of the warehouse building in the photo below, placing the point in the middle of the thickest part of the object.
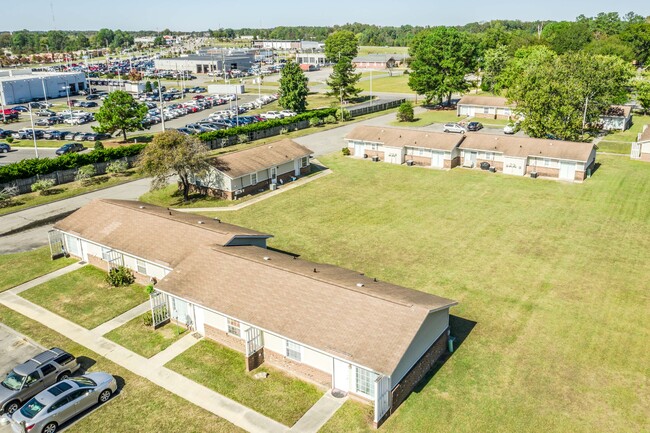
(22, 85)
(203, 64)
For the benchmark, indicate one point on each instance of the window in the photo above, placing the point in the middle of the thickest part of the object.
(234, 327)
(373, 146)
(142, 266)
(58, 404)
(547, 162)
(31, 378)
(254, 179)
(304, 162)
(294, 351)
(47, 369)
(273, 173)
(486, 110)
(366, 382)
(489, 156)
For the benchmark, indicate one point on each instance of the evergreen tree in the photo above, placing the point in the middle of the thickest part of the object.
(293, 88)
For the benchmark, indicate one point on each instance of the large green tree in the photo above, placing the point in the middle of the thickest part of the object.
(172, 153)
(559, 95)
(341, 47)
(643, 95)
(495, 61)
(440, 59)
(638, 35)
(342, 43)
(120, 112)
(293, 88)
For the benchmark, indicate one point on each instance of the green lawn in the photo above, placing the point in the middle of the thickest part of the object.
(631, 134)
(624, 148)
(172, 196)
(365, 50)
(429, 117)
(66, 190)
(144, 340)
(18, 268)
(551, 279)
(84, 297)
(395, 84)
(279, 396)
(140, 406)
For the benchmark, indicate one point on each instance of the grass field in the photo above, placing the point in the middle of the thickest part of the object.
(279, 396)
(140, 406)
(615, 147)
(551, 280)
(631, 134)
(395, 84)
(84, 297)
(19, 268)
(364, 50)
(144, 340)
(430, 116)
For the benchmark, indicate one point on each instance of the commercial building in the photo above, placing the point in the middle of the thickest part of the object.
(22, 85)
(203, 64)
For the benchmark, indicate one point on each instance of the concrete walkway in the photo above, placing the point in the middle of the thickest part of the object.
(180, 346)
(120, 320)
(319, 414)
(44, 278)
(281, 188)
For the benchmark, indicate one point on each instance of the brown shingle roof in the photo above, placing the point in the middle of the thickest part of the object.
(400, 137)
(645, 134)
(618, 111)
(525, 146)
(372, 324)
(149, 232)
(241, 163)
(485, 101)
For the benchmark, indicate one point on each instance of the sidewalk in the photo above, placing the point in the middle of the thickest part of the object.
(319, 414)
(34, 216)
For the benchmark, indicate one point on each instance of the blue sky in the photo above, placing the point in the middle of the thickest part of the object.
(204, 14)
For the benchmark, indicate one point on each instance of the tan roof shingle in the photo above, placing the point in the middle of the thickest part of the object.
(525, 146)
(400, 137)
(485, 101)
(645, 134)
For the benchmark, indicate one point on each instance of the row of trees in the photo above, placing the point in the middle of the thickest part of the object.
(28, 42)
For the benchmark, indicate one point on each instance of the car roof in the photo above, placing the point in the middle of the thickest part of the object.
(56, 392)
(27, 367)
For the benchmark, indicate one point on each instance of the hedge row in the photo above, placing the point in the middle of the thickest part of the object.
(259, 126)
(32, 167)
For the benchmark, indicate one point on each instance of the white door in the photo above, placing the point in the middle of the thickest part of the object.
(73, 245)
(437, 159)
(296, 167)
(274, 175)
(200, 320)
(181, 311)
(567, 170)
(341, 375)
(359, 150)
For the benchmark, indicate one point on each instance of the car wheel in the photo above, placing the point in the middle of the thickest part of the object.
(105, 396)
(4, 151)
(50, 428)
(63, 376)
(12, 407)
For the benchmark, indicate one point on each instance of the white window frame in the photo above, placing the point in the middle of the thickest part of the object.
(234, 327)
(254, 178)
(367, 379)
(141, 266)
(486, 110)
(547, 162)
(304, 162)
(294, 351)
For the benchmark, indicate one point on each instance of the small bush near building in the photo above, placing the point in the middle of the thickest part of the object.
(99, 145)
(345, 151)
(7, 194)
(343, 114)
(405, 112)
(117, 167)
(9, 140)
(147, 319)
(42, 186)
(330, 120)
(120, 276)
(84, 173)
(315, 121)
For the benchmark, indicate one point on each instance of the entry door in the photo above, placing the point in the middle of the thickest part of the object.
(274, 175)
(437, 159)
(359, 150)
(296, 167)
(567, 170)
(470, 159)
(181, 311)
(341, 375)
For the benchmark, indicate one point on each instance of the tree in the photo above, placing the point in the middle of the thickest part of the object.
(120, 112)
(405, 112)
(159, 41)
(174, 154)
(643, 95)
(638, 35)
(104, 37)
(441, 58)
(495, 61)
(560, 95)
(293, 88)
(341, 47)
(565, 36)
(611, 46)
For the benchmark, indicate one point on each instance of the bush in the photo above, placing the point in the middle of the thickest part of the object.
(120, 276)
(243, 138)
(147, 319)
(330, 119)
(284, 131)
(406, 72)
(315, 121)
(343, 114)
(345, 151)
(9, 140)
(117, 167)
(405, 112)
(98, 145)
(42, 186)
(84, 173)
(6, 194)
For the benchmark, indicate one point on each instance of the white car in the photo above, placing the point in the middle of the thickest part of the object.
(453, 127)
(288, 113)
(272, 115)
(511, 128)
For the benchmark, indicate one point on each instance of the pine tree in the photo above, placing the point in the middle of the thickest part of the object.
(293, 88)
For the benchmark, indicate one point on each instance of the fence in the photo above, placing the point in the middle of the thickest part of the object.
(372, 107)
(59, 177)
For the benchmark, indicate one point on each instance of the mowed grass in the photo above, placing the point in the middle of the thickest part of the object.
(279, 396)
(84, 297)
(431, 116)
(367, 49)
(615, 147)
(394, 84)
(143, 339)
(140, 405)
(551, 280)
(18, 268)
(631, 134)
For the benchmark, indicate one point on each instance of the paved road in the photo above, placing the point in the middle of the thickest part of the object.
(20, 153)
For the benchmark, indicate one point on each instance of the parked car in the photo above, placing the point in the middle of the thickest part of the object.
(31, 377)
(21, 108)
(474, 126)
(6, 133)
(92, 97)
(46, 113)
(46, 121)
(49, 409)
(453, 127)
(511, 128)
(70, 147)
(272, 115)
(54, 135)
(22, 134)
(4, 148)
(288, 113)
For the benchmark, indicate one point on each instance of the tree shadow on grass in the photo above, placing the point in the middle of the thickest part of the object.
(85, 364)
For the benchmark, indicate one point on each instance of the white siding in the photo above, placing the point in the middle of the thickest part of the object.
(215, 320)
(432, 328)
(317, 360)
(275, 343)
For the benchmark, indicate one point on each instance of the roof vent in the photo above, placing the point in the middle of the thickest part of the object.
(200, 222)
(315, 270)
(141, 207)
(374, 279)
(170, 212)
(359, 284)
(267, 258)
(217, 220)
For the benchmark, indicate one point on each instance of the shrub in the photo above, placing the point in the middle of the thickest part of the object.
(147, 318)
(343, 114)
(284, 131)
(315, 121)
(84, 173)
(98, 145)
(120, 276)
(9, 140)
(42, 186)
(243, 138)
(6, 194)
(405, 112)
(330, 119)
(117, 167)
(345, 151)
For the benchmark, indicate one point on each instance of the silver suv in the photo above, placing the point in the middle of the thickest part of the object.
(28, 379)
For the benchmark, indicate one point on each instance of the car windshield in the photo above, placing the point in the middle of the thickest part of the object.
(83, 381)
(13, 381)
(32, 408)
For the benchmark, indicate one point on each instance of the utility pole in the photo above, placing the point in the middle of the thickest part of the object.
(162, 106)
(31, 118)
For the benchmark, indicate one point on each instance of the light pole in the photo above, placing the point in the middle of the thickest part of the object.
(341, 88)
(2, 103)
(162, 106)
(67, 94)
(31, 118)
(44, 92)
(371, 86)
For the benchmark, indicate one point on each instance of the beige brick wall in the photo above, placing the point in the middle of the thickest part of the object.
(302, 371)
(224, 338)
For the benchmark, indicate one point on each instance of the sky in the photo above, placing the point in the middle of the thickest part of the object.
(213, 14)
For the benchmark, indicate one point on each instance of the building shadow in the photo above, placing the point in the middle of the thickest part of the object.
(85, 363)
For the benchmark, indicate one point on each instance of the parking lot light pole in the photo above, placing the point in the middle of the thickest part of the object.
(67, 94)
(31, 118)
(44, 92)
(2, 104)
(162, 106)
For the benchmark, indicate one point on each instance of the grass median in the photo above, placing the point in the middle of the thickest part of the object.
(18, 268)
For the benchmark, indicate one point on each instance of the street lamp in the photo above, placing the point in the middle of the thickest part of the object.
(67, 94)
(44, 92)
(162, 106)
(31, 118)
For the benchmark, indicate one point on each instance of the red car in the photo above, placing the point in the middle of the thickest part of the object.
(197, 97)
